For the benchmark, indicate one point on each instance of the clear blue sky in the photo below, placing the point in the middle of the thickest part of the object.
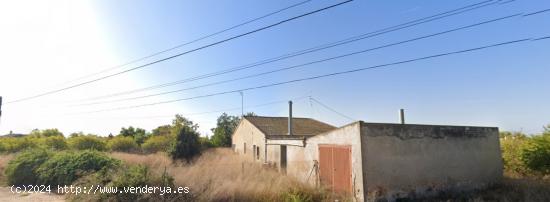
(507, 87)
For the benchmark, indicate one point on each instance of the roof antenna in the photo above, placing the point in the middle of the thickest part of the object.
(242, 103)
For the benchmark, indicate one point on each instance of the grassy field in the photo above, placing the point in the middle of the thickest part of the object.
(220, 175)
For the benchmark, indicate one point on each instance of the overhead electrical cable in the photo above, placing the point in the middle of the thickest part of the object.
(311, 50)
(308, 63)
(333, 110)
(331, 74)
(193, 41)
(181, 54)
(230, 109)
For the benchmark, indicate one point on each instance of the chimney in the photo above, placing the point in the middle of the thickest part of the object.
(402, 116)
(289, 117)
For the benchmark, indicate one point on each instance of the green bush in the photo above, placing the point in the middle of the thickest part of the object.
(45, 133)
(122, 144)
(536, 154)
(158, 143)
(54, 142)
(134, 176)
(22, 170)
(187, 145)
(511, 145)
(88, 142)
(64, 168)
(17, 144)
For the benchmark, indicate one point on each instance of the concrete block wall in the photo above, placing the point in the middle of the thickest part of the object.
(400, 160)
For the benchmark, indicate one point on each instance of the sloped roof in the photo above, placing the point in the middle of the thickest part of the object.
(271, 126)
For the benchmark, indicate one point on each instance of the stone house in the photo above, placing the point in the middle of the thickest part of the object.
(371, 161)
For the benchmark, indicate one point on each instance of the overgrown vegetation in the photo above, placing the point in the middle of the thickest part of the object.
(175, 155)
(61, 168)
(218, 175)
(180, 138)
(526, 155)
(22, 170)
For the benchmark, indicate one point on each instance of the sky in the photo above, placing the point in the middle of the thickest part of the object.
(49, 45)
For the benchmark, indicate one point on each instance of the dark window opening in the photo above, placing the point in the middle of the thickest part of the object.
(253, 151)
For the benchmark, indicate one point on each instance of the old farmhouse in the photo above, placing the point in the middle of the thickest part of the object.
(371, 161)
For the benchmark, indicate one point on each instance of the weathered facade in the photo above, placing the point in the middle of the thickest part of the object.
(378, 160)
(261, 138)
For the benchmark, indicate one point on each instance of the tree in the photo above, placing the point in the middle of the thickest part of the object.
(46, 133)
(76, 134)
(225, 127)
(138, 134)
(187, 143)
(181, 122)
(250, 114)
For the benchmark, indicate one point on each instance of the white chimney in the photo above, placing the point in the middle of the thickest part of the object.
(289, 117)
(402, 116)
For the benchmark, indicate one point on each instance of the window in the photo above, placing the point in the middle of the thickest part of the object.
(253, 151)
(257, 152)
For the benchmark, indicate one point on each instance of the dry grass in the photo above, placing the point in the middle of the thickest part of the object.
(218, 175)
(510, 189)
(4, 159)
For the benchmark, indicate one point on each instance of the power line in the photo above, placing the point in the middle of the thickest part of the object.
(314, 49)
(331, 74)
(309, 63)
(183, 53)
(193, 41)
(236, 108)
(538, 12)
(333, 110)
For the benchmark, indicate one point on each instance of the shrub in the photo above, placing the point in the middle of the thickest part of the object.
(64, 168)
(536, 154)
(187, 145)
(134, 176)
(88, 142)
(158, 143)
(512, 146)
(54, 142)
(16, 144)
(22, 170)
(123, 144)
(46, 133)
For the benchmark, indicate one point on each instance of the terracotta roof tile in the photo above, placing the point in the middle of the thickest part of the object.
(279, 125)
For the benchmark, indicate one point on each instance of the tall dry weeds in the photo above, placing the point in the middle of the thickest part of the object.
(218, 174)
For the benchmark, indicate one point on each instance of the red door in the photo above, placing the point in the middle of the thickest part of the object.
(335, 167)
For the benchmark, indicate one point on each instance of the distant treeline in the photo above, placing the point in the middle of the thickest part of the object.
(179, 138)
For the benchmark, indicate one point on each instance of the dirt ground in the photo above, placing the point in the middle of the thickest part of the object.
(7, 195)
